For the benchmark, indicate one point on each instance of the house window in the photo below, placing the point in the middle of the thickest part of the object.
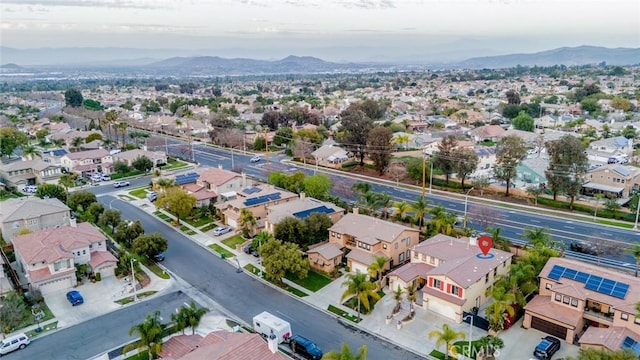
(401, 257)
(424, 257)
(495, 272)
(565, 300)
(432, 260)
(333, 233)
(395, 246)
(384, 246)
(99, 244)
(454, 290)
(84, 252)
(504, 264)
(548, 286)
(33, 221)
(415, 255)
(624, 316)
(436, 283)
(339, 236)
(574, 302)
(636, 321)
(558, 297)
(486, 278)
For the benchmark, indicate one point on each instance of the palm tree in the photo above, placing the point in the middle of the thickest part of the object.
(384, 201)
(377, 267)
(67, 180)
(346, 354)
(58, 142)
(500, 307)
(490, 344)
(111, 117)
(30, 151)
(635, 251)
(521, 281)
(447, 336)
(420, 209)
(401, 209)
(499, 241)
(371, 201)
(180, 321)
(193, 314)
(165, 183)
(362, 189)
(358, 286)
(401, 139)
(122, 126)
(247, 222)
(77, 142)
(537, 236)
(411, 295)
(151, 333)
(442, 222)
(106, 143)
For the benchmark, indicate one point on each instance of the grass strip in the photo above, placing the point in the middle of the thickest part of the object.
(343, 313)
(222, 251)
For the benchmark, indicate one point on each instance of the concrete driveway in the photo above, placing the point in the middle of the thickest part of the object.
(99, 298)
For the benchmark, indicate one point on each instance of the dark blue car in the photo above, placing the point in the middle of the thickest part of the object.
(305, 347)
(74, 298)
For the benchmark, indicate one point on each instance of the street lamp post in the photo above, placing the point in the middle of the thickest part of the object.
(430, 175)
(635, 226)
(466, 202)
(470, 332)
(133, 281)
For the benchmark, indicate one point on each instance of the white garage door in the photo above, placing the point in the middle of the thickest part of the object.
(356, 266)
(232, 223)
(49, 287)
(106, 270)
(441, 307)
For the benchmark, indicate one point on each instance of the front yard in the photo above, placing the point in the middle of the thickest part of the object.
(140, 193)
(314, 280)
(233, 241)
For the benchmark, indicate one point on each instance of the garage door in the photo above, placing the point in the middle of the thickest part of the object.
(51, 286)
(232, 223)
(549, 327)
(356, 266)
(442, 308)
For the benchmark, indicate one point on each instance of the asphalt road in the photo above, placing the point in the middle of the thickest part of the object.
(244, 296)
(87, 339)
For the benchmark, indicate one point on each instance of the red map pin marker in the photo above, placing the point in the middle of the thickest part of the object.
(485, 243)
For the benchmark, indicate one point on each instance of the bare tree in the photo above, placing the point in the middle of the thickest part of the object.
(398, 170)
(229, 137)
(301, 148)
(485, 216)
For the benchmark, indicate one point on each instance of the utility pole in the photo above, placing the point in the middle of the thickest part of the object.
(424, 176)
(189, 142)
(266, 145)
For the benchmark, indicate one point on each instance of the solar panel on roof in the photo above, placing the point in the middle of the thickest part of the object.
(556, 272)
(606, 286)
(582, 277)
(593, 283)
(305, 213)
(631, 344)
(570, 273)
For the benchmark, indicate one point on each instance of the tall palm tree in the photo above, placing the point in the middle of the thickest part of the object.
(401, 209)
(499, 241)
(362, 189)
(77, 142)
(193, 315)
(151, 333)
(521, 281)
(346, 354)
(384, 201)
(247, 222)
(442, 222)
(447, 336)
(500, 307)
(30, 152)
(537, 237)
(401, 140)
(420, 209)
(165, 183)
(635, 251)
(111, 117)
(57, 142)
(364, 290)
(377, 267)
(180, 320)
(371, 201)
(411, 295)
(122, 126)
(67, 180)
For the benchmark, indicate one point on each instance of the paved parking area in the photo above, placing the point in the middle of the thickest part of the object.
(520, 343)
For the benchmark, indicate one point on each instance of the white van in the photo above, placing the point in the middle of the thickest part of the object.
(15, 342)
(266, 324)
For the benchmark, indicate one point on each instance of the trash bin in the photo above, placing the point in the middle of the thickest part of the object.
(223, 255)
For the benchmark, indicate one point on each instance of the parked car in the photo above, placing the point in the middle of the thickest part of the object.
(152, 196)
(158, 257)
(30, 189)
(546, 348)
(15, 342)
(75, 298)
(305, 347)
(255, 159)
(248, 249)
(105, 177)
(118, 184)
(221, 230)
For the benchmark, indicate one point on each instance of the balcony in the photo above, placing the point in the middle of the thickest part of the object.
(598, 316)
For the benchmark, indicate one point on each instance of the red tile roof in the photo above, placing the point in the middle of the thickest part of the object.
(611, 338)
(100, 257)
(217, 176)
(444, 296)
(543, 306)
(45, 274)
(411, 271)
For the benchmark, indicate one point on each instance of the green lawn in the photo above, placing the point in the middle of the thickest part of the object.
(187, 230)
(140, 193)
(156, 269)
(343, 313)
(143, 355)
(233, 241)
(286, 287)
(222, 251)
(198, 222)
(140, 296)
(27, 316)
(174, 164)
(314, 280)
(45, 328)
(209, 227)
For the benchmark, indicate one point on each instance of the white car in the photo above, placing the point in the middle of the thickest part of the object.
(221, 230)
(118, 184)
(255, 159)
(30, 189)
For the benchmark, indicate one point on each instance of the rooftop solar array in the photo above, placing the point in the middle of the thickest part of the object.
(187, 178)
(251, 190)
(632, 345)
(320, 209)
(591, 282)
(262, 199)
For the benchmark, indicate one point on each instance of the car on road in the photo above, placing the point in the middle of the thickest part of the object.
(255, 159)
(304, 347)
(546, 348)
(118, 184)
(75, 298)
(158, 257)
(15, 342)
(220, 230)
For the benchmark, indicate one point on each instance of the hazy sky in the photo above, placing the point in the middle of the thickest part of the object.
(501, 25)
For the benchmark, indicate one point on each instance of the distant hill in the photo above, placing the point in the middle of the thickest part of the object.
(581, 55)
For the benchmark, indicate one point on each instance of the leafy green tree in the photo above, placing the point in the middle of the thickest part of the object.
(261, 238)
(355, 129)
(420, 209)
(281, 258)
(80, 200)
(259, 144)
(52, 191)
(73, 98)
(466, 164)
(93, 212)
(379, 147)
(534, 192)
(498, 310)
(359, 286)
(92, 104)
(92, 137)
(67, 180)
(10, 140)
(621, 103)
(629, 132)
(291, 230)
(12, 311)
(377, 267)
(316, 227)
(510, 111)
(635, 251)
(513, 97)
(414, 168)
(277, 179)
(121, 167)
(444, 159)
(150, 244)
(568, 165)
(42, 134)
(151, 332)
(110, 217)
(295, 182)
(177, 202)
(523, 122)
(127, 231)
(284, 136)
(246, 222)
(605, 354)
(346, 354)
(317, 186)
(447, 336)
(142, 163)
(590, 104)
(509, 152)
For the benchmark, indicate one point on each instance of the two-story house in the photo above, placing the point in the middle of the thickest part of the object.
(87, 162)
(31, 214)
(613, 180)
(604, 149)
(584, 303)
(17, 174)
(129, 156)
(48, 257)
(452, 273)
(301, 208)
(212, 185)
(257, 199)
(365, 237)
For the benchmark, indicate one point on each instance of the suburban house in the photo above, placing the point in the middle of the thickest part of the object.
(257, 199)
(452, 273)
(32, 214)
(87, 162)
(325, 256)
(129, 156)
(486, 161)
(365, 237)
(612, 180)
(531, 170)
(212, 185)
(300, 208)
(67, 135)
(5, 284)
(604, 149)
(53, 156)
(529, 138)
(220, 345)
(48, 257)
(17, 174)
(331, 154)
(588, 304)
(487, 132)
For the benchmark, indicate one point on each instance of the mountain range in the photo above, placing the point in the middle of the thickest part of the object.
(145, 61)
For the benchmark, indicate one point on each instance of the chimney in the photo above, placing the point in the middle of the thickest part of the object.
(72, 222)
(473, 240)
(355, 210)
(220, 166)
(272, 342)
(302, 195)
